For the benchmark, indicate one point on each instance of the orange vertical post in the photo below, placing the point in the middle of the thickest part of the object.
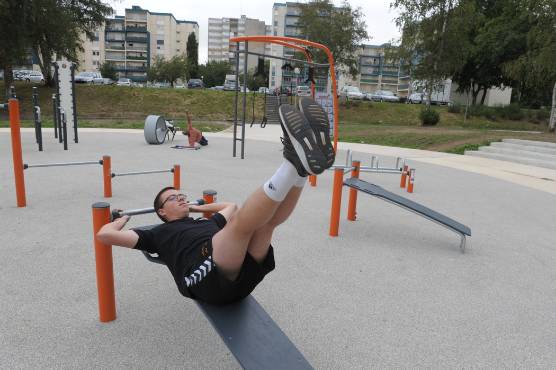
(177, 176)
(15, 130)
(411, 180)
(313, 180)
(352, 202)
(104, 267)
(209, 196)
(336, 201)
(403, 179)
(107, 175)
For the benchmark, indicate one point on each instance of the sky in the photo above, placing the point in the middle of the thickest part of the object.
(377, 14)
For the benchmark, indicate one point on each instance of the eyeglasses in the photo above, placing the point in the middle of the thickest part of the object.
(174, 197)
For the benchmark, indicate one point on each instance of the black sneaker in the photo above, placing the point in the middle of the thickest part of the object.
(291, 155)
(318, 119)
(302, 139)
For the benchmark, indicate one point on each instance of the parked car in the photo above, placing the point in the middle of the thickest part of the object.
(264, 90)
(303, 91)
(89, 78)
(351, 92)
(195, 83)
(384, 95)
(230, 83)
(34, 76)
(417, 98)
(219, 88)
(108, 81)
(123, 82)
(21, 75)
(176, 86)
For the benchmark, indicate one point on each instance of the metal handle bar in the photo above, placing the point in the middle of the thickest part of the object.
(25, 166)
(141, 172)
(141, 211)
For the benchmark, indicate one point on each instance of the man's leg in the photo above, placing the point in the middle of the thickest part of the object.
(230, 244)
(260, 241)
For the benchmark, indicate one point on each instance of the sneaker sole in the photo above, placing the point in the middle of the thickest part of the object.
(318, 119)
(303, 139)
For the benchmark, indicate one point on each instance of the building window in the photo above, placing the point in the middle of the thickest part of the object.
(160, 42)
(178, 41)
(178, 50)
(130, 44)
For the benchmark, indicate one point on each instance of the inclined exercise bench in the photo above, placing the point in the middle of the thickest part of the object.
(412, 206)
(248, 331)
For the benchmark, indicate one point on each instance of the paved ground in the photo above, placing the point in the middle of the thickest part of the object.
(392, 291)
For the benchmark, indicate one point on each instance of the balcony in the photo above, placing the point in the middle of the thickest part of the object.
(135, 57)
(137, 39)
(114, 29)
(136, 69)
(136, 29)
(114, 47)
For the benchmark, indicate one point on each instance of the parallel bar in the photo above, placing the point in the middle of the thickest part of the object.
(64, 128)
(25, 166)
(141, 172)
(55, 116)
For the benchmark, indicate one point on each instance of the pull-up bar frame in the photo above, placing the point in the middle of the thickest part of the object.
(289, 42)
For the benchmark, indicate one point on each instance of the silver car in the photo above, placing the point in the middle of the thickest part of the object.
(384, 95)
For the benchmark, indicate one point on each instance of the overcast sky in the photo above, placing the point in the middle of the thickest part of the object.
(378, 16)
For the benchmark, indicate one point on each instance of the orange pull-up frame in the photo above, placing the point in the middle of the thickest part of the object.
(15, 130)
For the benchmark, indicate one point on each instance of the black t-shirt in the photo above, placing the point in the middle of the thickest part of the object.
(178, 243)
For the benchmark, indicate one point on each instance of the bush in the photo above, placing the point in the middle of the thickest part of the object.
(454, 108)
(512, 112)
(429, 117)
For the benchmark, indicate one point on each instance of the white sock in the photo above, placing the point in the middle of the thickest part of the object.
(301, 181)
(281, 182)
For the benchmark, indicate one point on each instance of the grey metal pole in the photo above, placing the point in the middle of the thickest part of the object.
(236, 97)
(55, 116)
(25, 166)
(37, 116)
(64, 128)
(141, 172)
(73, 98)
(244, 100)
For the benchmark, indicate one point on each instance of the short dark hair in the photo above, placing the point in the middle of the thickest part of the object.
(158, 201)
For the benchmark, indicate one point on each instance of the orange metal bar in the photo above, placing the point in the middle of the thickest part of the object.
(313, 180)
(336, 201)
(209, 196)
(15, 130)
(177, 176)
(352, 202)
(107, 175)
(403, 179)
(294, 41)
(411, 180)
(104, 267)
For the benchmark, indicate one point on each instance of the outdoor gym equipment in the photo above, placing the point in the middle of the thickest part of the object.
(37, 118)
(296, 44)
(157, 129)
(65, 111)
(248, 331)
(359, 185)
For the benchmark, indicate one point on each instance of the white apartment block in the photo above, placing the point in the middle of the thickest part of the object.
(132, 42)
(222, 29)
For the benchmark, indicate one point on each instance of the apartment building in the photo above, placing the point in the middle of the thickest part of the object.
(376, 72)
(222, 29)
(132, 42)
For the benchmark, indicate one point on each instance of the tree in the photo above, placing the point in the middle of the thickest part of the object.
(214, 73)
(341, 29)
(431, 38)
(108, 70)
(167, 70)
(13, 37)
(535, 66)
(56, 27)
(192, 56)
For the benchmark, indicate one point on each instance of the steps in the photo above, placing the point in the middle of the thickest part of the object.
(533, 153)
(272, 104)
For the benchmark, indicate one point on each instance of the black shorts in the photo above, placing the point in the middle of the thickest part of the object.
(214, 288)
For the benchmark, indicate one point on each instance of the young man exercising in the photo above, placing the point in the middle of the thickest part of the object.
(220, 260)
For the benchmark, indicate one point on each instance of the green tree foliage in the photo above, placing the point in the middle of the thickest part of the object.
(13, 37)
(192, 56)
(431, 43)
(341, 29)
(214, 73)
(170, 71)
(56, 28)
(108, 70)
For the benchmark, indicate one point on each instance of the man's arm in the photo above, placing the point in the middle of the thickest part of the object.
(112, 234)
(226, 209)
